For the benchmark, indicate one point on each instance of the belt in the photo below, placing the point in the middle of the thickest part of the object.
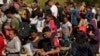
(15, 53)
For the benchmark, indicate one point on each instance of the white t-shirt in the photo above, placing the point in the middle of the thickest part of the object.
(94, 10)
(65, 28)
(40, 25)
(54, 10)
(1, 2)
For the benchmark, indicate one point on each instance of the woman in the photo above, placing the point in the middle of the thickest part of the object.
(25, 16)
(93, 22)
(13, 47)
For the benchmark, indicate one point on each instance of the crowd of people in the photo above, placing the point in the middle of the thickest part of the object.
(35, 31)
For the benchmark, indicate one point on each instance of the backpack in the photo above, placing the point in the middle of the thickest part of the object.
(57, 23)
(23, 32)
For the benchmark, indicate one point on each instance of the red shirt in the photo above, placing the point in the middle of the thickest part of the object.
(52, 26)
(1, 44)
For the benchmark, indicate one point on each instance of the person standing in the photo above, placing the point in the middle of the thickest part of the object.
(53, 8)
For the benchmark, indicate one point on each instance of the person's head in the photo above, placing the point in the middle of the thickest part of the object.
(40, 14)
(50, 3)
(80, 39)
(88, 8)
(49, 17)
(90, 29)
(93, 15)
(65, 19)
(82, 16)
(57, 4)
(83, 3)
(34, 5)
(34, 33)
(47, 32)
(9, 13)
(66, 4)
(25, 14)
(13, 33)
(74, 5)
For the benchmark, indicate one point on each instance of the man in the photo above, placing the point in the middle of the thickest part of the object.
(53, 8)
(14, 21)
(50, 44)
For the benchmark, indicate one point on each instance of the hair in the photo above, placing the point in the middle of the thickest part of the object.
(33, 30)
(15, 0)
(27, 13)
(80, 40)
(65, 17)
(14, 31)
(11, 10)
(67, 3)
(57, 3)
(40, 14)
(82, 16)
(46, 3)
(46, 29)
(91, 28)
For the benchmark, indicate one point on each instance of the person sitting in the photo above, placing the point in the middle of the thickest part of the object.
(50, 44)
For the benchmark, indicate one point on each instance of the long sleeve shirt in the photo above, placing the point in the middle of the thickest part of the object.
(14, 45)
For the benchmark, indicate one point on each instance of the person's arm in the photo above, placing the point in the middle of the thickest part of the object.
(70, 30)
(54, 51)
(36, 39)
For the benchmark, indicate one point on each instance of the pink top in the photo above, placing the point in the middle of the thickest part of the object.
(53, 26)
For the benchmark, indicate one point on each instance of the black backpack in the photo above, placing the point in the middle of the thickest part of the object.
(23, 32)
(57, 22)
